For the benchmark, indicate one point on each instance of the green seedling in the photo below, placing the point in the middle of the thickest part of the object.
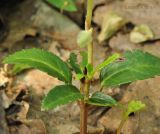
(133, 106)
(114, 71)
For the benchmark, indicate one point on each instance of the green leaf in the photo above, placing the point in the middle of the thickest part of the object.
(73, 63)
(136, 65)
(42, 60)
(134, 106)
(84, 38)
(19, 68)
(100, 99)
(61, 95)
(84, 62)
(107, 61)
(67, 5)
(79, 76)
(89, 70)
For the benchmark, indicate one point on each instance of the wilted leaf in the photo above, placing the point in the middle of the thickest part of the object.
(84, 38)
(61, 95)
(136, 65)
(100, 99)
(67, 5)
(42, 60)
(111, 24)
(141, 33)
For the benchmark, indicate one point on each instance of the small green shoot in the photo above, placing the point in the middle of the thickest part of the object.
(133, 106)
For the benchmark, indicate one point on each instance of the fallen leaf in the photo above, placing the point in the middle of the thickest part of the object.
(112, 22)
(141, 33)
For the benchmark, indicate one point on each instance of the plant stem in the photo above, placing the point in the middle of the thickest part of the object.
(82, 1)
(87, 27)
(89, 14)
(83, 104)
(83, 117)
(121, 125)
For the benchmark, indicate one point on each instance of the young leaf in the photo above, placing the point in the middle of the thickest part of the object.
(100, 99)
(61, 95)
(89, 70)
(84, 38)
(84, 62)
(136, 65)
(19, 68)
(134, 106)
(73, 63)
(67, 5)
(42, 60)
(79, 76)
(107, 61)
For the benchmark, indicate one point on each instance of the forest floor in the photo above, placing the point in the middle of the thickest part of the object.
(34, 23)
